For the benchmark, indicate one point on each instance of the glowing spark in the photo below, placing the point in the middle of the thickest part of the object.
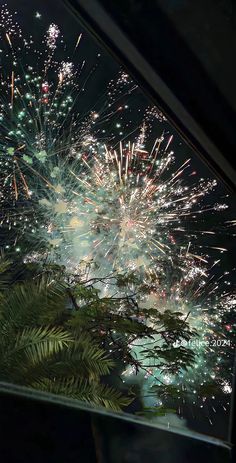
(8, 39)
(12, 88)
(78, 41)
(65, 71)
(52, 36)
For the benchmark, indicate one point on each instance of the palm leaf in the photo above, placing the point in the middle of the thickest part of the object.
(41, 343)
(86, 358)
(33, 303)
(95, 394)
(37, 352)
(5, 277)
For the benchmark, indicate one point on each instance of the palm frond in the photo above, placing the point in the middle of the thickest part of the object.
(41, 343)
(37, 351)
(5, 277)
(33, 303)
(84, 358)
(96, 394)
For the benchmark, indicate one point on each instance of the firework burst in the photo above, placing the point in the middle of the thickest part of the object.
(133, 209)
(40, 118)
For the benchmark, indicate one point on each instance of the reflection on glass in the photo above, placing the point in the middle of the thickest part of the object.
(116, 272)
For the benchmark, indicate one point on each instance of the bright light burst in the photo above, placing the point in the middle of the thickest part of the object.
(40, 116)
(136, 204)
(52, 36)
(129, 209)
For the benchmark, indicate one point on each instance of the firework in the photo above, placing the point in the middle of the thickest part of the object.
(40, 118)
(9, 24)
(130, 208)
(52, 36)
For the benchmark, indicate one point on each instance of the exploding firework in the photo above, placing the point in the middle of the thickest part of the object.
(130, 209)
(40, 118)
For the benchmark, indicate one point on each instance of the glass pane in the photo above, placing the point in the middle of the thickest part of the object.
(117, 269)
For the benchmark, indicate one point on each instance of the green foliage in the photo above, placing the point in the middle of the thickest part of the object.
(168, 391)
(38, 350)
(59, 334)
(172, 392)
(117, 322)
(4, 276)
(175, 327)
(93, 393)
(125, 279)
(99, 314)
(171, 359)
